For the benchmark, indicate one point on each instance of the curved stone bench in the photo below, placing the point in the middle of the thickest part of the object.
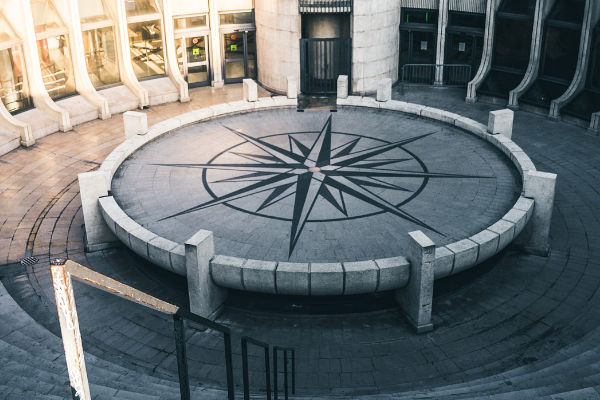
(317, 279)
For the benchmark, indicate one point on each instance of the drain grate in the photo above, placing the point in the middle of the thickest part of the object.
(28, 261)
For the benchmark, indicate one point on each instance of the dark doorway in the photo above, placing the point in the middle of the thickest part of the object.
(325, 52)
(322, 61)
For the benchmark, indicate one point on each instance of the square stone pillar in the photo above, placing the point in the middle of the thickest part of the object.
(250, 90)
(539, 186)
(501, 122)
(292, 87)
(342, 87)
(92, 186)
(416, 298)
(135, 123)
(205, 296)
(384, 89)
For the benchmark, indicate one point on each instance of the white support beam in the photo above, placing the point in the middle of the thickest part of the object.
(171, 63)
(117, 10)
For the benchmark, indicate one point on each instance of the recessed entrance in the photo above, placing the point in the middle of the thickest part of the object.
(192, 54)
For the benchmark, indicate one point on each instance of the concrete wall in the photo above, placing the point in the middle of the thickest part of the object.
(278, 30)
(375, 43)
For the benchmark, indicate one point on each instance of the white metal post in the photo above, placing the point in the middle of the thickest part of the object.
(69, 329)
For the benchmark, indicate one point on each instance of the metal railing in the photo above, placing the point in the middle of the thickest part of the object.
(436, 74)
(325, 6)
(63, 271)
(285, 351)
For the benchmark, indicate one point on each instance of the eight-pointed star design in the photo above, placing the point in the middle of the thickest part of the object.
(316, 171)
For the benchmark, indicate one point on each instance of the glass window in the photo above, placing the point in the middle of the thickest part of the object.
(404, 47)
(234, 55)
(195, 21)
(513, 43)
(561, 48)
(251, 45)
(146, 45)
(140, 7)
(101, 56)
(470, 20)
(568, 11)
(45, 17)
(91, 11)
(526, 7)
(416, 16)
(236, 18)
(13, 88)
(55, 63)
(423, 48)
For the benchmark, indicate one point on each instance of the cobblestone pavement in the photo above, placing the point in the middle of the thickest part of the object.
(519, 326)
(448, 180)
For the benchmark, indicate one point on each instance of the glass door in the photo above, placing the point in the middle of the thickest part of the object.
(239, 56)
(193, 60)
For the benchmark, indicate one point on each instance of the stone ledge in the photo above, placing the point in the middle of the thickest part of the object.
(293, 278)
(393, 273)
(326, 279)
(227, 271)
(465, 254)
(259, 276)
(360, 277)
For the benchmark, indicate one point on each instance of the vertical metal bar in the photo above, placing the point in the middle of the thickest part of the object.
(245, 369)
(182, 367)
(275, 388)
(293, 371)
(285, 373)
(267, 373)
(229, 366)
(69, 329)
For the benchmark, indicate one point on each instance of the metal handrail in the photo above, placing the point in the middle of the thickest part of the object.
(265, 346)
(315, 6)
(285, 351)
(429, 74)
(62, 273)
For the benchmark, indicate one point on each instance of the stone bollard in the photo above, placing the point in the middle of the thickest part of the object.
(342, 87)
(92, 186)
(539, 186)
(501, 122)
(292, 87)
(135, 123)
(205, 296)
(415, 299)
(250, 90)
(384, 89)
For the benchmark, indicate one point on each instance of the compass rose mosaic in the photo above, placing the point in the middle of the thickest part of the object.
(315, 186)
(317, 171)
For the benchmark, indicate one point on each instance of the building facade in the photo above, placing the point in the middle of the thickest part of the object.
(64, 62)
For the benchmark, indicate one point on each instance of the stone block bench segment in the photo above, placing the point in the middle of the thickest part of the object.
(541, 187)
(92, 186)
(135, 123)
(226, 271)
(250, 90)
(360, 277)
(293, 278)
(501, 122)
(416, 298)
(205, 297)
(505, 231)
(488, 244)
(393, 273)
(259, 276)
(326, 279)
(465, 254)
(342, 87)
(444, 262)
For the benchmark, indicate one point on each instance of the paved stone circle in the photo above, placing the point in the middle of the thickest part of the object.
(383, 174)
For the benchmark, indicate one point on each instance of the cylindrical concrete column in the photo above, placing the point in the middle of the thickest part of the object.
(278, 30)
(375, 43)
